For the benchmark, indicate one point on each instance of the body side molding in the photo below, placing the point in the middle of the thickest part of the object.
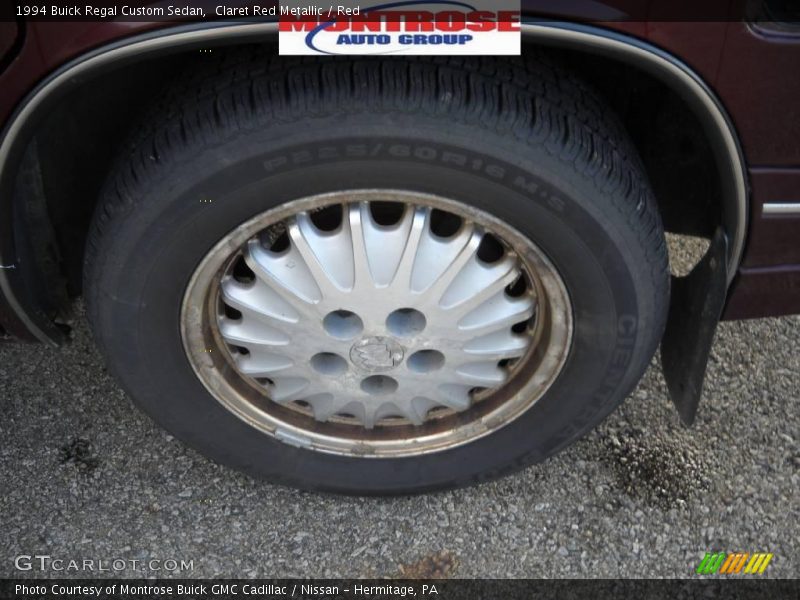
(782, 208)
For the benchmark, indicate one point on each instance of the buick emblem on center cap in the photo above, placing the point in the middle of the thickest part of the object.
(377, 354)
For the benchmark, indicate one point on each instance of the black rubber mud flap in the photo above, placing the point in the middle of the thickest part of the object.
(694, 312)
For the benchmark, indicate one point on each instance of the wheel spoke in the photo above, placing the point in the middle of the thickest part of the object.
(251, 332)
(500, 345)
(385, 246)
(289, 389)
(263, 364)
(259, 301)
(322, 405)
(419, 409)
(286, 272)
(486, 374)
(478, 281)
(454, 395)
(363, 276)
(328, 255)
(497, 313)
(439, 260)
(417, 229)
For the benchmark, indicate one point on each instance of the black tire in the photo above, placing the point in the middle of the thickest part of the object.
(543, 153)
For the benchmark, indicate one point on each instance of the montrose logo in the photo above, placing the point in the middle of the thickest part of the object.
(409, 27)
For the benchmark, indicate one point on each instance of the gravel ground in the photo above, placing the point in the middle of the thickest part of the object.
(86, 475)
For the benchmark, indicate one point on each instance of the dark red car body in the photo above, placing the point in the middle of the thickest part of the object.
(752, 70)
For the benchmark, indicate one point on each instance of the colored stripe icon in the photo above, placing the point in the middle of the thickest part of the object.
(734, 563)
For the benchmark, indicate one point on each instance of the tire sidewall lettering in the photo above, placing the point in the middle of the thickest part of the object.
(472, 162)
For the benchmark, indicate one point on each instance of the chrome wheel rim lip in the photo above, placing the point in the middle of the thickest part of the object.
(532, 376)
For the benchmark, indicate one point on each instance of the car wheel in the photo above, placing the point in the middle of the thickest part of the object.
(378, 276)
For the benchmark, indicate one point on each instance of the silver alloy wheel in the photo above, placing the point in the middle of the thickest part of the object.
(376, 323)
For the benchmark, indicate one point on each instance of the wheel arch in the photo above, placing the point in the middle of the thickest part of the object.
(27, 121)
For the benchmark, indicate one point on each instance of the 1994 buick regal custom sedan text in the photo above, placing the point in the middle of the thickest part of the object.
(395, 274)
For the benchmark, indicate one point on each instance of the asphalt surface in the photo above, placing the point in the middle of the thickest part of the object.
(84, 475)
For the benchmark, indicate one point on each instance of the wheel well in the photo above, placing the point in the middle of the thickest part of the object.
(669, 138)
(78, 143)
(79, 139)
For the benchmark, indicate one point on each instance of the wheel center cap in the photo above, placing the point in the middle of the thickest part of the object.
(377, 354)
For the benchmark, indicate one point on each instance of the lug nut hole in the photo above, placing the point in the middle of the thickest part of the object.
(379, 385)
(343, 324)
(406, 322)
(426, 361)
(327, 363)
